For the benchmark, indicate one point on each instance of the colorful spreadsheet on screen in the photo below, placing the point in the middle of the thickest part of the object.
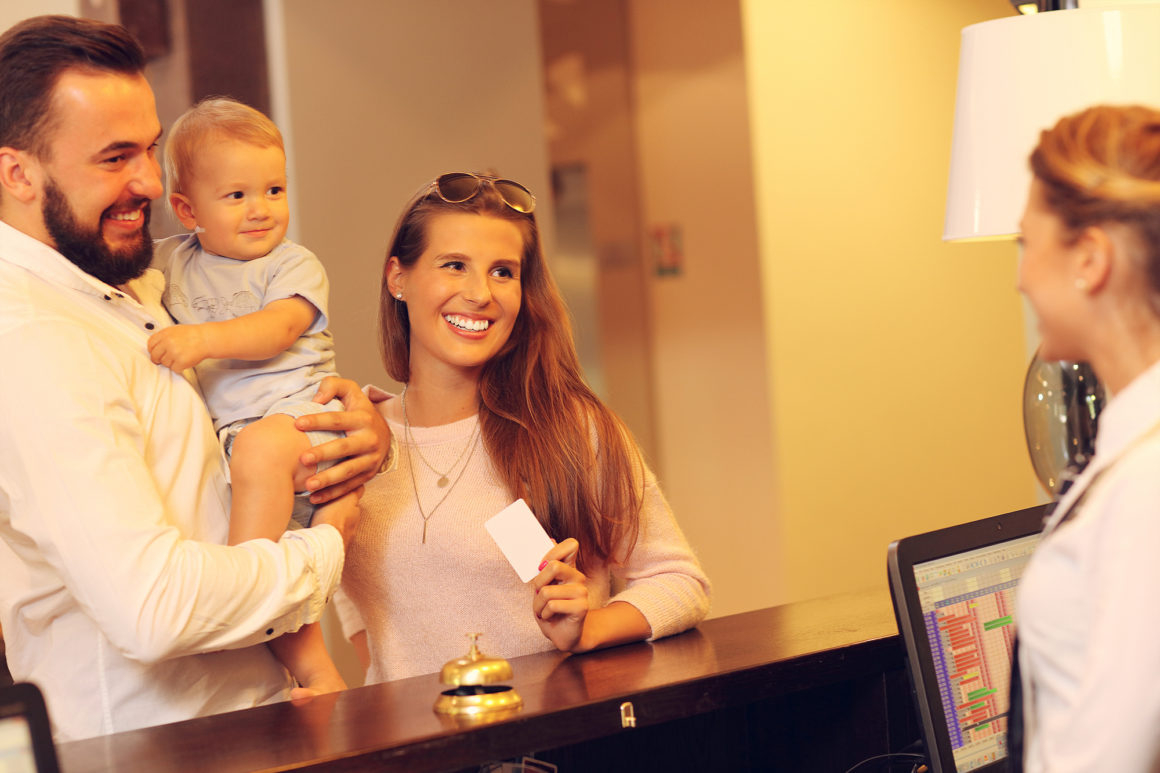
(968, 603)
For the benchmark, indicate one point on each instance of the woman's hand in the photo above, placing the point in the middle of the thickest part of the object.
(560, 601)
(560, 604)
(362, 451)
(343, 514)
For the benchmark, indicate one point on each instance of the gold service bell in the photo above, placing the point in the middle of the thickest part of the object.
(476, 692)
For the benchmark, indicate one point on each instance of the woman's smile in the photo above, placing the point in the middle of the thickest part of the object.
(463, 294)
(467, 324)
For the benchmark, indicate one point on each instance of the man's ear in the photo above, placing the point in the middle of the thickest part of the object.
(183, 208)
(20, 174)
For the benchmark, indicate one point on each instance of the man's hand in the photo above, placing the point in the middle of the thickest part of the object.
(362, 451)
(179, 347)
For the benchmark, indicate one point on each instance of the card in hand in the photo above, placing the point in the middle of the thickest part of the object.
(521, 538)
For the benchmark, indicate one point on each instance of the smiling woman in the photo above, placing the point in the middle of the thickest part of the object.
(462, 294)
(1091, 270)
(473, 325)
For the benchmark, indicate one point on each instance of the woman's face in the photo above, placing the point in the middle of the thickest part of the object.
(1047, 278)
(463, 293)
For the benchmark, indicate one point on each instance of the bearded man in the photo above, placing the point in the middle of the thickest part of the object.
(118, 594)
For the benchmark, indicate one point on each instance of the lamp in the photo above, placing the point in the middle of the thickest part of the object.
(1018, 76)
(1035, 6)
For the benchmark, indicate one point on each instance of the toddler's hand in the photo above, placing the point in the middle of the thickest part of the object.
(179, 347)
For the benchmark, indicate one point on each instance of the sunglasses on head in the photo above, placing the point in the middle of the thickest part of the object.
(458, 187)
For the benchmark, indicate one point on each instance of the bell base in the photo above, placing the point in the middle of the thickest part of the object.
(490, 701)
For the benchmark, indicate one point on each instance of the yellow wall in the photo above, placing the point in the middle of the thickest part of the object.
(13, 11)
(896, 361)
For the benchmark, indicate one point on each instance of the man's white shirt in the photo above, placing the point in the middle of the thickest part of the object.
(117, 594)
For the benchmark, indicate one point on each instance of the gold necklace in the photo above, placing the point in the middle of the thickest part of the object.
(443, 479)
(471, 444)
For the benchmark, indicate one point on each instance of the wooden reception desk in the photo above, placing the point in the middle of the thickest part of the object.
(816, 685)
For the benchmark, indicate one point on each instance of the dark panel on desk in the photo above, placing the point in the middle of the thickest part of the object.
(819, 730)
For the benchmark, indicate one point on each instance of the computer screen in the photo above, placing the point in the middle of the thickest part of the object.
(16, 753)
(954, 597)
(25, 734)
(968, 604)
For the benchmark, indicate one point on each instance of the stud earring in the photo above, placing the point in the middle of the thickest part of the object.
(399, 296)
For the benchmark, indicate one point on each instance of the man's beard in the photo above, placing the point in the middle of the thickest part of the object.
(87, 248)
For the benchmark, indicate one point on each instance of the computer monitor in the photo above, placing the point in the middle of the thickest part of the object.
(25, 735)
(954, 597)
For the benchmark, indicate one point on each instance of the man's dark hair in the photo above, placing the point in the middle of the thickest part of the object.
(33, 55)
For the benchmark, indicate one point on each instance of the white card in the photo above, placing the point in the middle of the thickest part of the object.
(521, 538)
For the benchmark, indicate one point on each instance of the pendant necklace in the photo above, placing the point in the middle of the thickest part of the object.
(443, 476)
(443, 481)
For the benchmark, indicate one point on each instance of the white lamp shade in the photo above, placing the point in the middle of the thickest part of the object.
(1018, 76)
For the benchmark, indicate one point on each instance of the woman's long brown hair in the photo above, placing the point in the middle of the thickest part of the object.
(552, 440)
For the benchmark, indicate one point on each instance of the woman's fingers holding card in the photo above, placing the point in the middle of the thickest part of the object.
(565, 552)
